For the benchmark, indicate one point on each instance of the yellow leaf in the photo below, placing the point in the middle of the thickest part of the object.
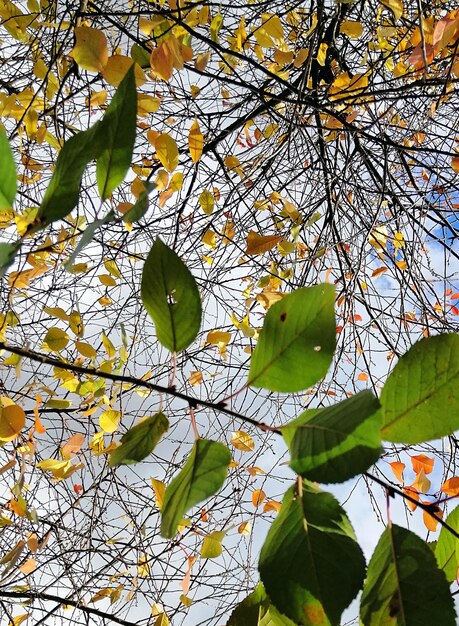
(242, 441)
(322, 54)
(59, 469)
(206, 200)
(254, 471)
(167, 151)
(272, 26)
(109, 347)
(160, 489)
(56, 312)
(201, 61)
(107, 280)
(351, 29)
(147, 104)
(161, 62)
(101, 594)
(112, 268)
(195, 142)
(245, 528)
(85, 349)
(55, 339)
(185, 600)
(217, 337)
(12, 419)
(421, 483)
(90, 50)
(258, 244)
(109, 420)
(195, 378)
(143, 567)
(209, 239)
(455, 164)
(396, 6)
(162, 620)
(116, 68)
(399, 240)
(19, 619)
(378, 238)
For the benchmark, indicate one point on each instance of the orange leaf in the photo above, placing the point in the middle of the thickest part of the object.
(429, 521)
(272, 505)
(410, 491)
(257, 497)
(422, 462)
(12, 419)
(451, 486)
(398, 467)
(72, 446)
(29, 566)
(378, 271)
(363, 376)
(161, 61)
(258, 244)
(455, 164)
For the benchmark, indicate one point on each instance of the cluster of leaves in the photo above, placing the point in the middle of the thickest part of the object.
(272, 153)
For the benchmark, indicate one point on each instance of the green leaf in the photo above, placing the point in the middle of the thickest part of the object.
(8, 179)
(139, 209)
(297, 341)
(140, 56)
(311, 564)
(333, 444)
(212, 545)
(420, 400)
(140, 440)
(171, 297)
(7, 253)
(202, 475)
(447, 548)
(118, 129)
(257, 610)
(61, 196)
(404, 586)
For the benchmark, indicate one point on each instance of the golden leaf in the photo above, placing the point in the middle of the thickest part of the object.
(242, 441)
(167, 151)
(195, 142)
(90, 50)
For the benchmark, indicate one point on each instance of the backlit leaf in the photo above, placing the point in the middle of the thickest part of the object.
(171, 297)
(335, 443)
(404, 584)
(420, 400)
(311, 564)
(12, 419)
(396, 6)
(297, 341)
(242, 441)
(258, 244)
(202, 475)
(119, 129)
(195, 142)
(257, 610)
(447, 548)
(451, 486)
(56, 339)
(212, 545)
(90, 50)
(167, 151)
(139, 441)
(8, 180)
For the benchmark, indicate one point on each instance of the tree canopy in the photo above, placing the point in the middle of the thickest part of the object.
(228, 243)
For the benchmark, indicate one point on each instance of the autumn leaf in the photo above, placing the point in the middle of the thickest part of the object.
(258, 496)
(398, 467)
(242, 441)
(451, 486)
(167, 151)
(90, 50)
(422, 462)
(258, 244)
(195, 142)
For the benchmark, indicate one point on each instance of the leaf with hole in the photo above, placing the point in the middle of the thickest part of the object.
(297, 341)
(171, 297)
